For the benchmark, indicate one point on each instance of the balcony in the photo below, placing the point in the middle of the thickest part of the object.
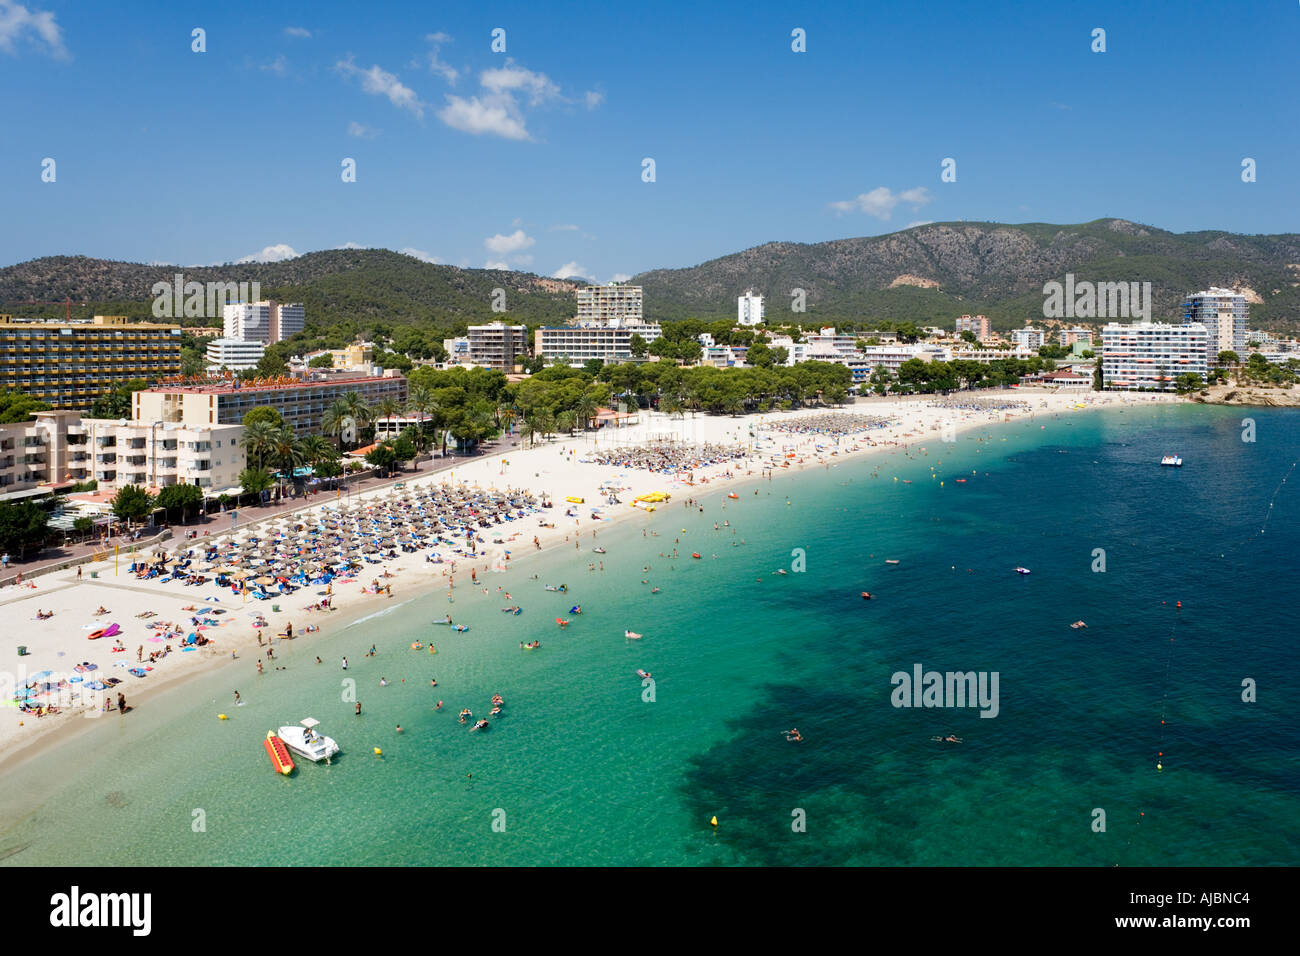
(106, 442)
(33, 459)
(136, 460)
(108, 459)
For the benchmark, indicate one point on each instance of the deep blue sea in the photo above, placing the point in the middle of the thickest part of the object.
(581, 768)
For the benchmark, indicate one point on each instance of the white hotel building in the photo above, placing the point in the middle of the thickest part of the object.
(264, 321)
(749, 309)
(610, 341)
(235, 354)
(1151, 355)
(603, 303)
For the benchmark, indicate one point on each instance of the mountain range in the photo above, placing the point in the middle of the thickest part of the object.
(928, 273)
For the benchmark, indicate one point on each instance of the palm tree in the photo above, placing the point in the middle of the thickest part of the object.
(528, 429)
(566, 422)
(421, 403)
(585, 409)
(259, 439)
(255, 480)
(288, 452)
(358, 410)
(318, 448)
(336, 419)
(388, 407)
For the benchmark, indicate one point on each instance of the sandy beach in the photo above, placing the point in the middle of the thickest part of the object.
(561, 468)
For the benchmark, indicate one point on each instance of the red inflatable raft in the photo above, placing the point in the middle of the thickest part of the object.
(278, 753)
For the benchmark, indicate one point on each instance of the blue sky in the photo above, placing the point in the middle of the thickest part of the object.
(533, 157)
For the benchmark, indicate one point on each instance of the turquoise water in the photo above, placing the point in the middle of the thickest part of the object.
(584, 771)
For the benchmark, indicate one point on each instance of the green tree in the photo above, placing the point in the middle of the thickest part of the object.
(260, 437)
(131, 503)
(254, 481)
(179, 498)
(16, 407)
(325, 360)
(23, 525)
(383, 457)
(83, 526)
(117, 403)
(637, 346)
(264, 413)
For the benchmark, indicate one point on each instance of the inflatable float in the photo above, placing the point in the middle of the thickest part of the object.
(632, 635)
(278, 752)
(104, 632)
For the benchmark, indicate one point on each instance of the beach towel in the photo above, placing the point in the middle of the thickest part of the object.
(136, 671)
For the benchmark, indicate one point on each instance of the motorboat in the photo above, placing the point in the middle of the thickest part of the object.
(1078, 624)
(306, 742)
(632, 635)
(1022, 570)
(643, 674)
(1172, 460)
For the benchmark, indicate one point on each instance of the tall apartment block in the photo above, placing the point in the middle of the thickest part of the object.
(1151, 355)
(265, 321)
(600, 303)
(978, 324)
(1224, 315)
(72, 364)
(498, 345)
(749, 309)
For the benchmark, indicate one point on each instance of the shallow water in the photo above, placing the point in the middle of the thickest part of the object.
(580, 769)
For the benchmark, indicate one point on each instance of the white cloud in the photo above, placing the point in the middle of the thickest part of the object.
(490, 264)
(497, 110)
(880, 202)
(302, 32)
(496, 115)
(509, 78)
(619, 277)
(503, 245)
(419, 254)
(918, 222)
(279, 66)
(276, 253)
(17, 21)
(382, 83)
(362, 131)
(445, 70)
(572, 269)
(563, 228)
(594, 98)
(351, 245)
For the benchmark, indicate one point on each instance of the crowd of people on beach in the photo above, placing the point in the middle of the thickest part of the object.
(669, 458)
(833, 425)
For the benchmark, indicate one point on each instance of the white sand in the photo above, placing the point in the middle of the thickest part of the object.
(550, 469)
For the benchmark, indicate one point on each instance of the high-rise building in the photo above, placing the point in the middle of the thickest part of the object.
(497, 345)
(71, 364)
(749, 309)
(601, 303)
(1067, 337)
(265, 321)
(977, 324)
(287, 320)
(1151, 355)
(1224, 315)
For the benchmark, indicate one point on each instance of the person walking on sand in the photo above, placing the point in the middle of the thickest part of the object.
(121, 702)
(78, 572)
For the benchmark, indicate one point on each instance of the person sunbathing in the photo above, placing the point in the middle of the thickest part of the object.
(102, 610)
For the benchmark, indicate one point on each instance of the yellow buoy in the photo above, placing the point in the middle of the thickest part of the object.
(1160, 766)
(222, 717)
(378, 752)
(713, 822)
